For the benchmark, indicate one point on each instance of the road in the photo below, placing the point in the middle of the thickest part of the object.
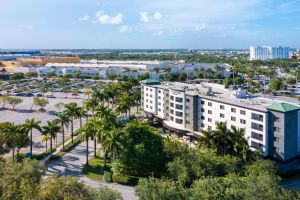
(71, 164)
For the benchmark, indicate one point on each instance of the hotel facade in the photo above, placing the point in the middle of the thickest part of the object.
(268, 53)
(271, 125)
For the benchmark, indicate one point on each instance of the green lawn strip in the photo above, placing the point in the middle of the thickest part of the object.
(96, 172)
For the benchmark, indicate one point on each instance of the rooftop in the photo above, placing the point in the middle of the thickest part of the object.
(283, 107)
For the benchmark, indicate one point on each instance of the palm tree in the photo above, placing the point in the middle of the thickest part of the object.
(93, 124)
(45, 139)
(51, 129)
(112, 142)
(241, 145)
(29, 125)
(90, 104)
(85, 134)
(21, 139)
(10, 132)
(99, 96)
(125, 103)
(207, 139)
(82, 113)
(72, 110)
(64, 120)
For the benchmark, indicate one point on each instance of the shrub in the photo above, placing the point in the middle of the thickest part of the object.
(107, 176)
(125, 180)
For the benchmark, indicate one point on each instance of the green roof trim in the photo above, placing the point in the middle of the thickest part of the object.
(150, 81)
(282, 107)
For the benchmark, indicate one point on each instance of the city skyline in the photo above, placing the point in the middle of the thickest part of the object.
(141, 24)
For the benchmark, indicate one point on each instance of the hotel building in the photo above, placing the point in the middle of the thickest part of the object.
(268, 53)
(271, 125)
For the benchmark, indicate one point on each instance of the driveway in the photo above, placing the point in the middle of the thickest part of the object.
(71, 164)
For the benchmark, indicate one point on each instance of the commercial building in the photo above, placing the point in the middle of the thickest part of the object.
(268, 53)
(45, 60)
(271, 125)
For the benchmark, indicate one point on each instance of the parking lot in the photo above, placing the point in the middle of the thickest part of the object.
(22, 112)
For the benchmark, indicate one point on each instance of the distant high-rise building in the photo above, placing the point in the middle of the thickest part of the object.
(268, 53)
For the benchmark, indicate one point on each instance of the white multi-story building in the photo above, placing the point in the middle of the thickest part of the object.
(271, 125)
(268, 53)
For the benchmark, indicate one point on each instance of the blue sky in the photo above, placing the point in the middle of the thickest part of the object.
(148, 23)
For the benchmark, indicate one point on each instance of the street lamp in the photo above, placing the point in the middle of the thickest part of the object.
(190, 139)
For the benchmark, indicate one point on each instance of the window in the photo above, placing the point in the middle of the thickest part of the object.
(187, 122)
(151, 107)
(256, 126)
(202, 102)
(209, 119)
(187, 100)
(159, 110)
(209, 112)
(222, 115)
(187, 107)
(179, 100)
(147, 89)
(242, 121)
(159, 91)
(151, 90)
(202, 110)
(256, 145)
(151, 101)
(233, 110)
(180, 107)
(257, 117)
(179, 114)
(243, 112)
(277, 150)
(187, 114)
(232, 126)
(172, 111)
(276, 139)
(209, 103)
(159, 97)
(222, 107)
(233, 118)
(151, 95)
(171, 97)
(178, 121)
(257, 136)
(172, 118)
(159, 104)
(202, 125)
(276, 129)
(202, 117)
(172, 105)
(276, 119)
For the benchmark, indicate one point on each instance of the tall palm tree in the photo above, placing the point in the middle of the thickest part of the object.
(91, 104)
(29, 125)
(99, 96)
(72, 111)
(93, 124)
(85, 134)
(112, 142)
(51, 129)
(82, 113)
(126, 102)
(64, 120)
(241, 145)
(207, 139)
(21, 139)
(10, 132)
(45, 139)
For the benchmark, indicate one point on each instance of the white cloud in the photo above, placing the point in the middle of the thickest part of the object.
(126, 29)
(200, 27)
(103, 18)
(157, 16)
(144, 16)
(26, 27)
(84, 18)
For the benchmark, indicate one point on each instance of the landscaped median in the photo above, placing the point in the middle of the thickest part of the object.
(96, 172)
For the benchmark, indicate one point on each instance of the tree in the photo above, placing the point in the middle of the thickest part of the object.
(72, 110)
(13, 101)
(4, 100)
(163, 189)
(21, 139)
(17, 76)
(82, 113)
(125, 103)
(276, 84)
(10, 132)
(113, 142)
(40, 102)
(51, 129)
(85, 134)
(45, 139)
(51, 75)
(31, 75)
(143, 149)
(59, 106)
(29, 125)
(64, 120)
(207, 139)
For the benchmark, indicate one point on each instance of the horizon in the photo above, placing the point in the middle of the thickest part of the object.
(139, 24)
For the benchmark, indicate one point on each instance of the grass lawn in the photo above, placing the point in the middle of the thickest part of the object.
(95, 169)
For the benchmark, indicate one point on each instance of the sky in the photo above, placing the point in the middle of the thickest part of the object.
(144, 24)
